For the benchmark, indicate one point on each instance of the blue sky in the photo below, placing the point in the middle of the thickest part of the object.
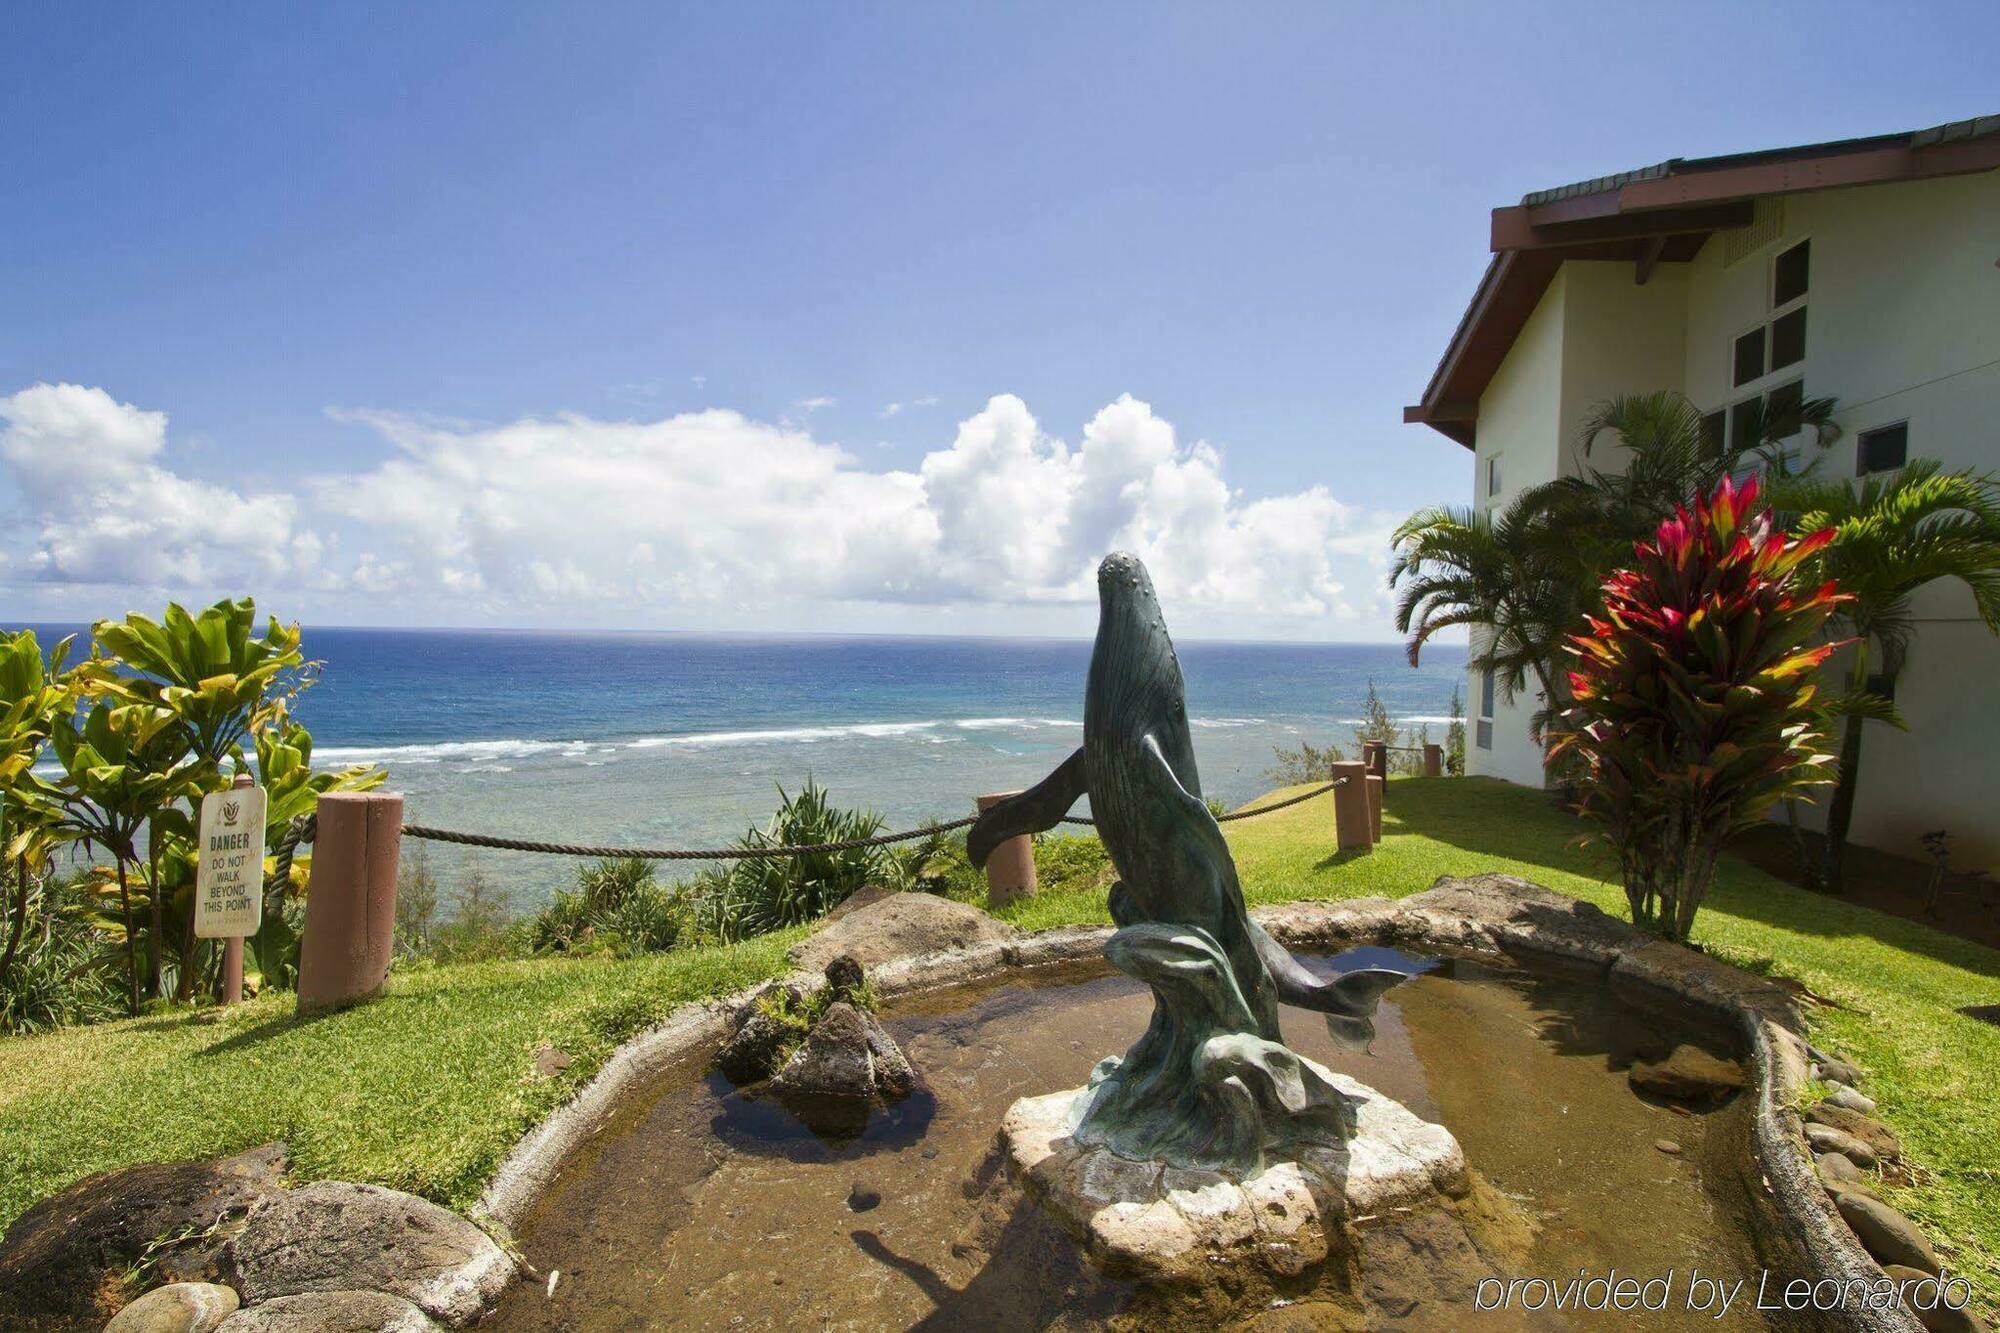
(363, 277)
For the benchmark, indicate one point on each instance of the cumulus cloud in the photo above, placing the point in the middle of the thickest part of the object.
(702, 517)
(101, 509)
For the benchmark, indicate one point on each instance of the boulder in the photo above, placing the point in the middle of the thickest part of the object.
(331, 1312)
(1871, 1132)
(179, 1307)
(757, 1046)
(1838, 1169)
(845, 1067)
(335, 1236)
(1922, 1296)
(899, 925)
(1828, 1140)
(65, 1258)
(1886, 1233)
(1688, 1074)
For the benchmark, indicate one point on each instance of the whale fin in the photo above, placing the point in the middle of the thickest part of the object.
(1348, 1001)
(1040, 807)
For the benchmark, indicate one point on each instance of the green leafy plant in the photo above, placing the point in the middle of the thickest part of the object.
(1893, 533)
(757, 895)
(1454, 737)
(32, 696)
(1693, 701)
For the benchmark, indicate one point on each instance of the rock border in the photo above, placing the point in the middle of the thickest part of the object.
(1494, 917)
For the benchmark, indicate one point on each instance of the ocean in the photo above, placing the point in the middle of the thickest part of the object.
(682, 739)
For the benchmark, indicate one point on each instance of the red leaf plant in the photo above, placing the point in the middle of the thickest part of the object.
(1692, 696)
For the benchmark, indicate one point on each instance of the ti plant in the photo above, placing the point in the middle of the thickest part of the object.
(1692, 692)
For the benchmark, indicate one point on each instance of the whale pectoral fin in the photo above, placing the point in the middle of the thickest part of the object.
(1149, 744)
(1040, 807)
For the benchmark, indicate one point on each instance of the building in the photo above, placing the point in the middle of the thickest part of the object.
(1867, 270)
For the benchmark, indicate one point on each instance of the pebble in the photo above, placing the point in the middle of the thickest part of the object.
(1668, 1146)
(860, 1199)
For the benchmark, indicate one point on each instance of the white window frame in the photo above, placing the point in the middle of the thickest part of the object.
(1482, 728)
(1859, 435)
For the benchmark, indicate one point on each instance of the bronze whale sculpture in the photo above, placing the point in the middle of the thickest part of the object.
(1210, 1084)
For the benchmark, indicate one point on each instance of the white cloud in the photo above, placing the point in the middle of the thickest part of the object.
(101, 509)
(811, 405)
(706, 517)
(898, 408)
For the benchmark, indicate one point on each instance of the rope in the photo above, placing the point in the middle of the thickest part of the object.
(303, 828)
(741, 853)
(675, 853)
(1241, 814)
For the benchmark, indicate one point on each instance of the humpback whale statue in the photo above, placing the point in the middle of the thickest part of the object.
(1209, 1085)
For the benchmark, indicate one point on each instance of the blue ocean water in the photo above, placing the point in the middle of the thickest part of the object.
(683, 739)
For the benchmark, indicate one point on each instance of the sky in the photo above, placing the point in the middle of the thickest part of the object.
(799, 317)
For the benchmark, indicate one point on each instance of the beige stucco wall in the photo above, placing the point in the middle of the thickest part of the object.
(1903, 324)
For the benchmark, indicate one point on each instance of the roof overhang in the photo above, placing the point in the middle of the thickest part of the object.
(1659, 214)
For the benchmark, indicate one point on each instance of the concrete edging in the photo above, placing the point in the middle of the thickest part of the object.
(1493, 916)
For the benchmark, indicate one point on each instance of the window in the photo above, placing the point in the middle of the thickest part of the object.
(1883, 686)
(1789, 274)
(1714, 428)
(1782, 407)
(1493, 476)
(1788, 339)
(1483, 729)
(1749, 360)
(1884, 449)
(1745, 420)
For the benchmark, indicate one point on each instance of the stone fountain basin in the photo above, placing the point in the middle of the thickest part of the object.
(1495, 918)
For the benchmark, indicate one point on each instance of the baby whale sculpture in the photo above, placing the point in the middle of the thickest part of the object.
(1209, 1086)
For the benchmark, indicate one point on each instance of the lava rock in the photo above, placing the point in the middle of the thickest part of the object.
(179, 1307)
(336, 1236)
(846, 1066)
(1871, 1132)
(1827, 1139)
(1886, 1233)
(1687, 1074)
(844, 977)
(64, 1259)
(752, 1052)
(331, 1312)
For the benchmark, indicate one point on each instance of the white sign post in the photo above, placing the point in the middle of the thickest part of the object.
(229, 875)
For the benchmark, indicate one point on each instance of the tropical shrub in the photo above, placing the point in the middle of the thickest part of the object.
(1692, 707)
(1308, 763)
(757, 895)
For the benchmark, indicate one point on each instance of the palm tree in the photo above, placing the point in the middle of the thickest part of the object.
(1895, 532)
(1518, 577)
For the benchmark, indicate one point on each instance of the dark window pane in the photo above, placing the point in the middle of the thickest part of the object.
(1493, 476)
(1745, 421)
(1781, 408)
(1486, 694)
(1482, 734)
(1712, 427)
(1882, 685)
(1749, 356)
(1788, 283)
(1885, 449)
(1788, 339)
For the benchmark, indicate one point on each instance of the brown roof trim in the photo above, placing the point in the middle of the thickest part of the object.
(1657, 214)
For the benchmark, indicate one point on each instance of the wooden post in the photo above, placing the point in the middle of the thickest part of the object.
(1375, 787)
(1010, 871)
(351, 902)
(1350, 807)
(232, 946)
(1375, 754)
(1433, 761)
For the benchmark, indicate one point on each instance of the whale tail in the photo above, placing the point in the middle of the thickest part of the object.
(1348, 1001)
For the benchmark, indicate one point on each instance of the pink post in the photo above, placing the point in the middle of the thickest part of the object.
(1375, 754)
(351, 900)
(1010, 871)
(232, 970)
(1433, 761)
(1375, 786)
(1350, 807)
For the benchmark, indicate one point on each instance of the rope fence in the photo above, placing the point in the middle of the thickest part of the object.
(302, 831)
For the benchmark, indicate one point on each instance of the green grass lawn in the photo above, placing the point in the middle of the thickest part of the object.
(427, 1089)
